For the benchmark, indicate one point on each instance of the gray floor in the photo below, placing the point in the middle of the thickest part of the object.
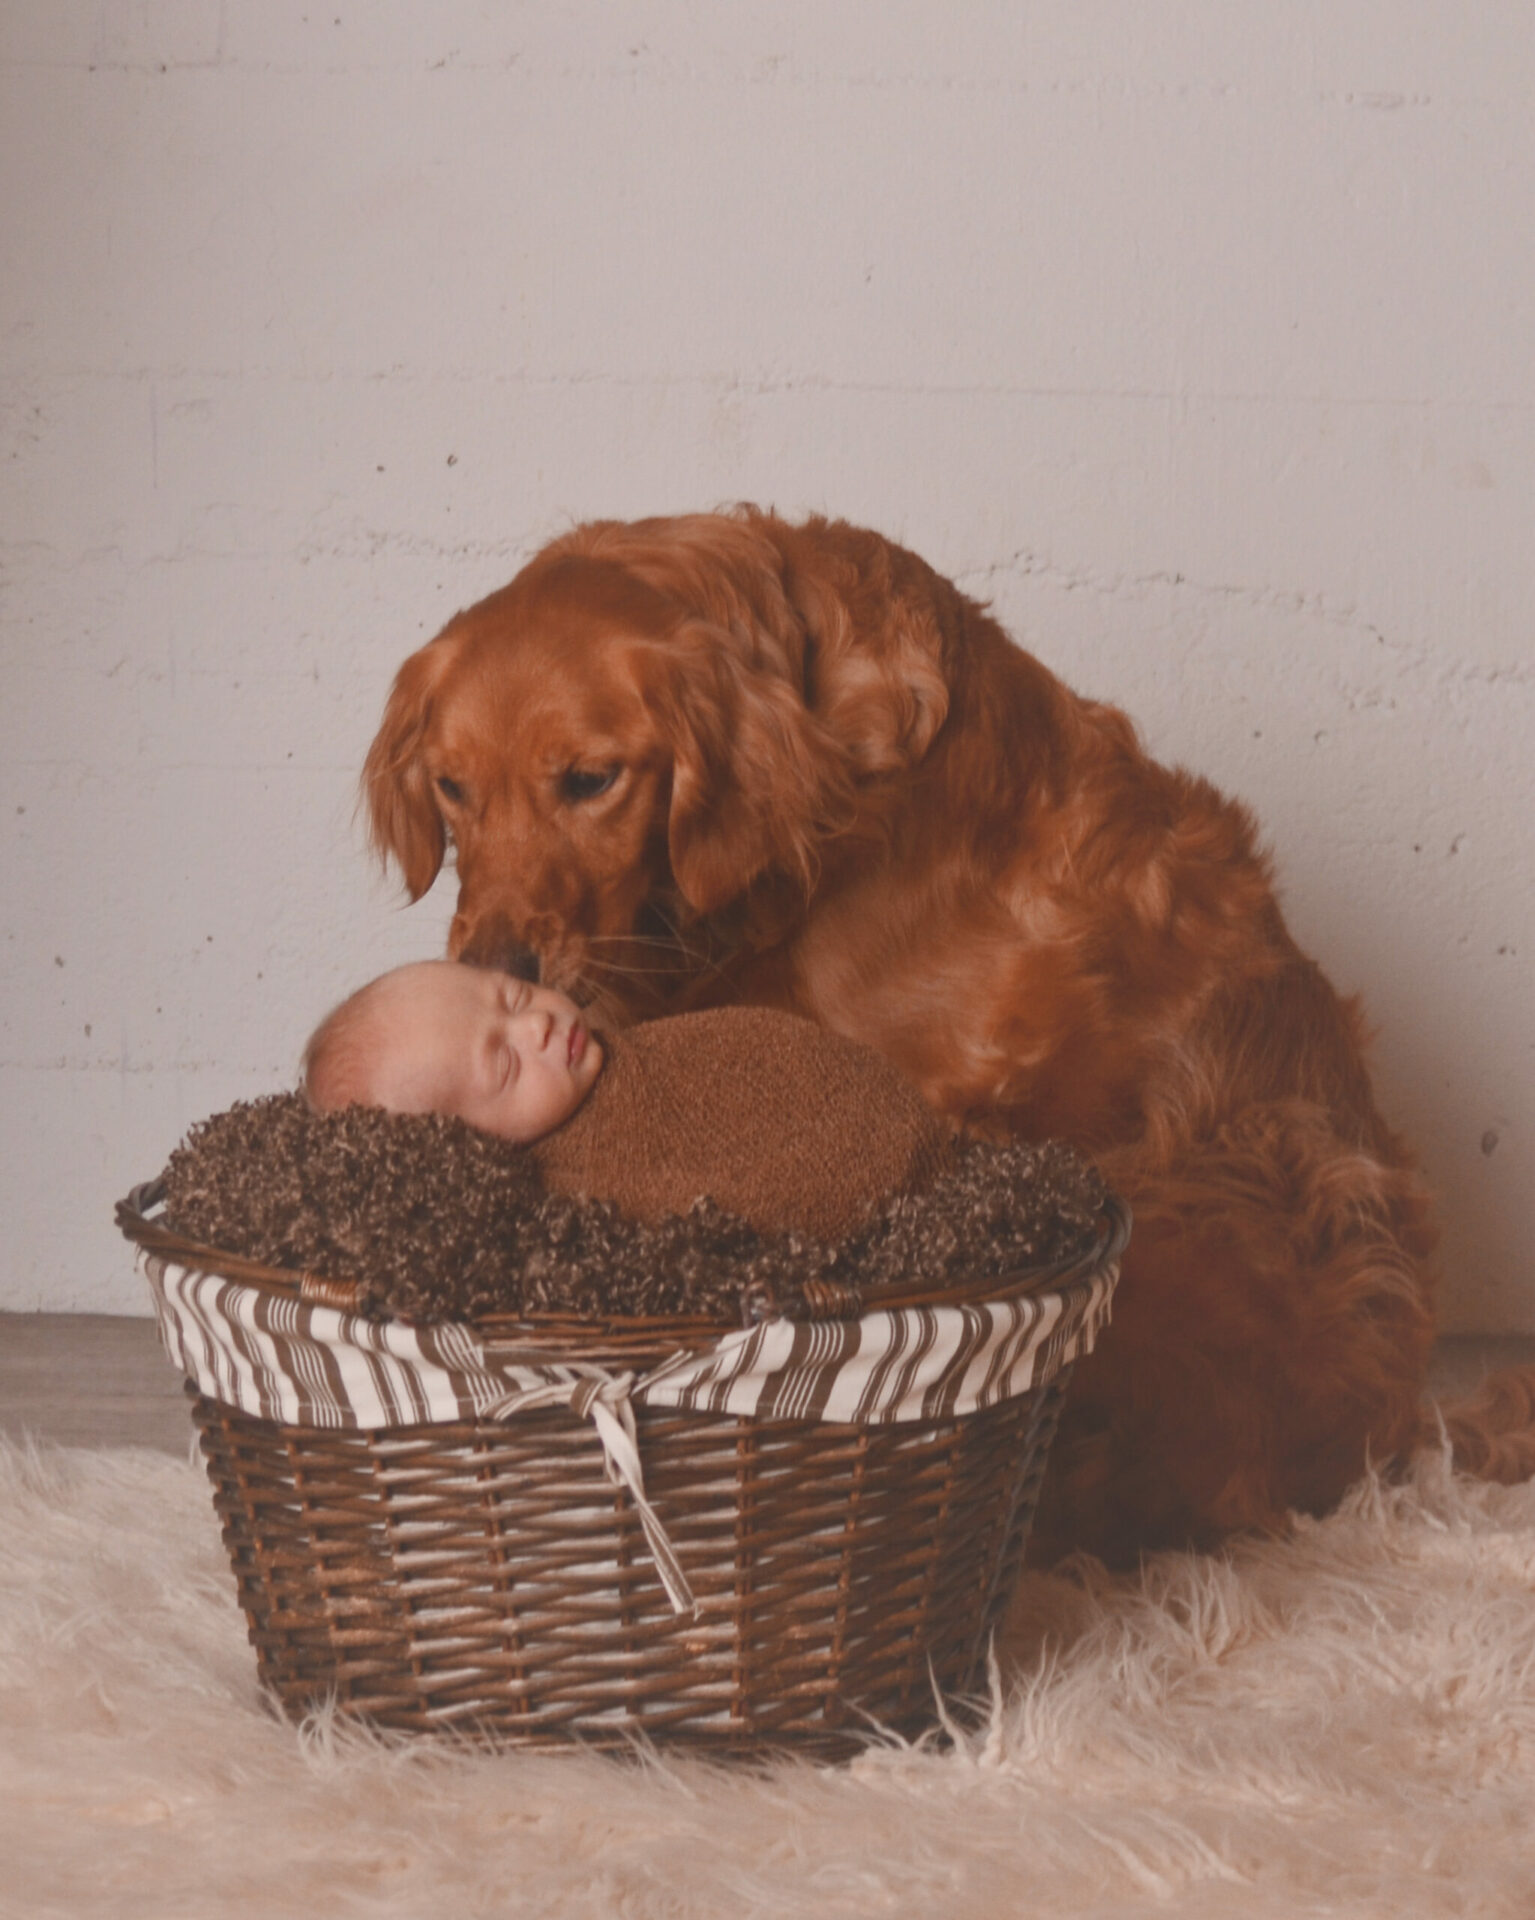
(102, 1380)
(90, 1380)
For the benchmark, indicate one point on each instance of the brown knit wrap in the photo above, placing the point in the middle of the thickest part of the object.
(777, 1120)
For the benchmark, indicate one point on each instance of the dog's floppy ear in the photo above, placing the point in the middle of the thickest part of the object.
(402, 811)
(757, 782)
(883, 628)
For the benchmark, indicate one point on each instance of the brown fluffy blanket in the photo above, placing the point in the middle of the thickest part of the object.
(791, 1127)
(435, 1220)
(721, 1157)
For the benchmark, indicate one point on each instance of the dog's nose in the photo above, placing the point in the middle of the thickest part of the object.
(494, 947)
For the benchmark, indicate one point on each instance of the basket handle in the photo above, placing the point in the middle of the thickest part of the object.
(815, 1300)
(142, 1199)
(839, 1300)
(153, 1236)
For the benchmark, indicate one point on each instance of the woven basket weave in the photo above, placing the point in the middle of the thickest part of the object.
(487, 1575)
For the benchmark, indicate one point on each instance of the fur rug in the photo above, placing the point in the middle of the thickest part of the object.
(1342, 1723)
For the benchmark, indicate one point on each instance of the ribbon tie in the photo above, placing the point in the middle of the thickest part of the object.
(603, 1398)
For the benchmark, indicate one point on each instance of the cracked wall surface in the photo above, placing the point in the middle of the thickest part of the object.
(1195, 338)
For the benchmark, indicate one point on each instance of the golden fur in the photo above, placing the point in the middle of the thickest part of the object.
(725, 758)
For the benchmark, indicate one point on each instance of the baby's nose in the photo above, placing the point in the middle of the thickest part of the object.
(539, 1024)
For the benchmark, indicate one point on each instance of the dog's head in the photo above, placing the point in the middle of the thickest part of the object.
(625, 748)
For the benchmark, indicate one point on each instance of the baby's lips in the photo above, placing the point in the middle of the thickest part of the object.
(577, 1047)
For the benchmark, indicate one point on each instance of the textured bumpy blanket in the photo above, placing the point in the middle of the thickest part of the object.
(1340, 1723)
(726, 1153)
(791, 1127)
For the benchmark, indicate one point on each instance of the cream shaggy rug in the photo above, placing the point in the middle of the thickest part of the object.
(1342, 1723)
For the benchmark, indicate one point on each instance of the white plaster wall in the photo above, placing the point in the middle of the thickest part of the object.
(1197, 336)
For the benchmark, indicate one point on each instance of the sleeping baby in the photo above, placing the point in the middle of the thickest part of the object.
(777, 1120)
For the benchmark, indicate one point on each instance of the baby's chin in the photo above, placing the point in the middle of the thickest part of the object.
(591, 1072)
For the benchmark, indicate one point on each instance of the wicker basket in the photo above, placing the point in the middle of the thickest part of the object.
(486, 1574)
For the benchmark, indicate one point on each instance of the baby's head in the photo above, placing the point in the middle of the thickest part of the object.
(441, 1037)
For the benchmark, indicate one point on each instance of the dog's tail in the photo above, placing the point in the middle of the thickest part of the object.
(1492, 1431)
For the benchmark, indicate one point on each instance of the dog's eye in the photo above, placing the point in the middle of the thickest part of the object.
(450, 790)
(585, 783)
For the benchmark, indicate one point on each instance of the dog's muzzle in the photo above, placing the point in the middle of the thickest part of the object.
(499, 948)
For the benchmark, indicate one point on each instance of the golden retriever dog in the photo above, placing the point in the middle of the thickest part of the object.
(725, 758)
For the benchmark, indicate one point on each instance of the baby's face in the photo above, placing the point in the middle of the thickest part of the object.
(508, 1057)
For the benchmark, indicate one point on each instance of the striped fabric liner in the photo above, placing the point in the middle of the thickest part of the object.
(302, 1364)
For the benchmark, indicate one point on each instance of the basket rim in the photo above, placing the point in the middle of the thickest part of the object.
(134, 1218)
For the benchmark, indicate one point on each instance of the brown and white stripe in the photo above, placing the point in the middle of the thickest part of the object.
(303, 1364)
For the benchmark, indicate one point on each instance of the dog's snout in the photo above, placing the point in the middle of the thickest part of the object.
(496, 947)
